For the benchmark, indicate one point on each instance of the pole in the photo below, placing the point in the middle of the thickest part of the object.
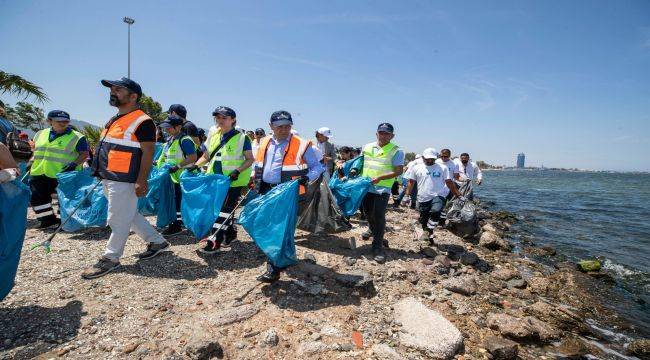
(129, 22)
(129, 71)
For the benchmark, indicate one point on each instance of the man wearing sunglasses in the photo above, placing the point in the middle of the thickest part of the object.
(57, 149)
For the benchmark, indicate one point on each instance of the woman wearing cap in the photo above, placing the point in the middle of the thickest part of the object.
(228, 153)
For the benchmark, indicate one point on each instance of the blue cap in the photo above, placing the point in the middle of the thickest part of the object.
(171, 121)
(225, 111)
(125, 83)
(58, 115)
(281, 117)
(385, 127)
(179, 109)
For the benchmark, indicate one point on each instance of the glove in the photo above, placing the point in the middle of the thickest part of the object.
(354, 172)
(234, 175)
(173, 169)
(304, 180)
(406, 200)
(69, 167)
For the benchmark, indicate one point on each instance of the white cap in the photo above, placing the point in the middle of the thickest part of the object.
(418, 156)
(325, 131)
(430, 153)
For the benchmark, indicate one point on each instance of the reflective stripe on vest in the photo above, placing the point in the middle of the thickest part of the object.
(231, 156)
(293, 163)
(379, 163)
(118, 154)
(173, 154)
(51, 156)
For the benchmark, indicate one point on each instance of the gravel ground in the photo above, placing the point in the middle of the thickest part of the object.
(335, 303)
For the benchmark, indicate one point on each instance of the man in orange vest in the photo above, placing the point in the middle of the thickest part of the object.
(123, 159)
(281, 158)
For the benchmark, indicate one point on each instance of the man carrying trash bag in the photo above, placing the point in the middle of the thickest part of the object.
(228, 153)
(281, 158)
(179, 152)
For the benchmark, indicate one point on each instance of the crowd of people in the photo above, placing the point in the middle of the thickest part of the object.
(124, 157)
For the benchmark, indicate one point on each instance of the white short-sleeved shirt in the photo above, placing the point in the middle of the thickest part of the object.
(410, 166)
(453, 169)
(430, 180)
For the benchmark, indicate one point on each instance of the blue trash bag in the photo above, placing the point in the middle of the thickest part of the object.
(14, 199)
(350, 193)
(74, 190)
(158, 147)
(356, 163)
(160, 199)
(271, 221)
(203, 196)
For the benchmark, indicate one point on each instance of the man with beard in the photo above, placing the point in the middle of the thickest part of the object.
(123, 159)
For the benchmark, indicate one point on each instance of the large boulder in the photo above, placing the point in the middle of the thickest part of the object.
(463, 285)
(427, 330)
(526, 328)
(493, 241)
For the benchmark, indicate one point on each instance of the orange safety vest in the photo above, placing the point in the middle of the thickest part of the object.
(293, 163)
(118, 152)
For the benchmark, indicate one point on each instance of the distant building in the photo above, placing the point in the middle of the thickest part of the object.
(521, 160)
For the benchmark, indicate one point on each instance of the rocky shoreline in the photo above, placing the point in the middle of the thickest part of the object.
(462, 298)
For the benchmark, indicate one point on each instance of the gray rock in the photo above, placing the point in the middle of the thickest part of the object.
(505, 274)
(234, 315)
(442, 260)
(202, 346)
(330, 331)
(500, 348)
(350, 261)
(310, 257)
(516, 283)
(356, 279)
(427, 330)
(468, 258)
(463, 285)
(270, 337)
(493, 241)
(522, 329)
(312, 347)
(312, 269)
(429, 252)
(385, 352)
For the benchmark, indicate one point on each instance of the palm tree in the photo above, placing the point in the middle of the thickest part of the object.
(92, 135)
(16, 85)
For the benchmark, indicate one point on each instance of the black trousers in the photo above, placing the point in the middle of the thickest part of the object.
(42, 188)
(178, 195)
(224, 226)
(430, 212)
(374, 206)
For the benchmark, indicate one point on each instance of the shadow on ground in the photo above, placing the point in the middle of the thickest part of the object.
(35, 330)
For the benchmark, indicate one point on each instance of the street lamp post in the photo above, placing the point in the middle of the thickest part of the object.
(129, 22)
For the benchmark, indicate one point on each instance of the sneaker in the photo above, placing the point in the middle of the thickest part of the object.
(211, 247)
(153, 249)
(103, 267)
(379, 256)
(173, 228)
(366, 235)
(49, 221)
(270, 276)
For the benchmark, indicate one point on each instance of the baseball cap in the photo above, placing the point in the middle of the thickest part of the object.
(125, 83)
(225, 111)
(171, 121)
(325, 131)
(430, 153)
(385, 127)
(58, 115)
(260, 131)
(281, 117)
(179, 109)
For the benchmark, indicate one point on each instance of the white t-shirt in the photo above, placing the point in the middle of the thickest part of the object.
(471, 171)
(430, 180)
(411, 165)
(453, 169)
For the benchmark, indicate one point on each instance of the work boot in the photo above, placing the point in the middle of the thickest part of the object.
(173, 228)
(103, 267)
(366, 235)
(211, 247)
(48, 221)
(270, 276)
(153, 249)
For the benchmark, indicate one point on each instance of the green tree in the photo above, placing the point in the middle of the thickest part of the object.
(152, 108)
(26, 116)
(17, 86)
(92, 134)
(410, 156)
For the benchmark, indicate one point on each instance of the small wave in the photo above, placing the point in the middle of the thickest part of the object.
(620, 270)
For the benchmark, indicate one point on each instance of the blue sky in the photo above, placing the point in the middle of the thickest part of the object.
(567, 83)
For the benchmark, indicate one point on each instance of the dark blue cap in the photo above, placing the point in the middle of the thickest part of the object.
(179, 109)
(58, 115)
(260, 130)
(385, 127)
(281, 118)
(225, 111)
(172, 120)
(125, 83)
